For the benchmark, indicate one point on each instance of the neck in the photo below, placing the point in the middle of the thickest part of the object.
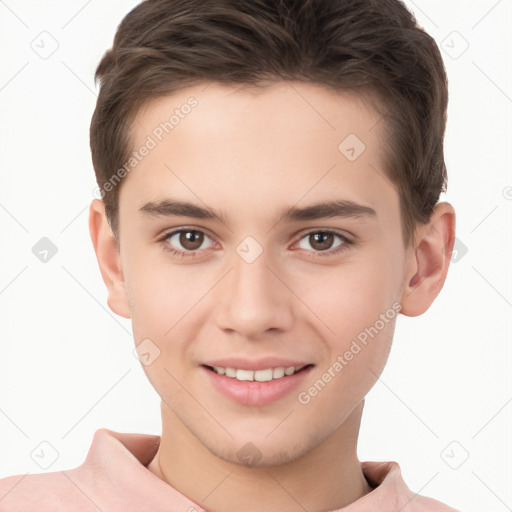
(327, 477)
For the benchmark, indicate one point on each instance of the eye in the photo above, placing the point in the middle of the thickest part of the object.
(187, 242)
(323, 242)
(191, 240)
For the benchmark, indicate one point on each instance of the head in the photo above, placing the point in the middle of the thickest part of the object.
(255, 113)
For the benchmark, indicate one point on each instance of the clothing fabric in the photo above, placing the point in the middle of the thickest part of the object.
(114, 478)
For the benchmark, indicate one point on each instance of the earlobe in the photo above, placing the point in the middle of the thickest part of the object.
(429, 261)
(109, 260)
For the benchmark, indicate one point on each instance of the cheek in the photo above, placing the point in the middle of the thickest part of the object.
(345, 378)
(160, 293)
(356, 309)
(349, 298)
(165, 302)
(164, 314)
(364, 322)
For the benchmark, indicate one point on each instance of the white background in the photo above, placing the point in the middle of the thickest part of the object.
(66, 361)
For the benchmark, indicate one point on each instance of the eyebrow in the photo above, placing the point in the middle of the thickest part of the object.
(323, 210)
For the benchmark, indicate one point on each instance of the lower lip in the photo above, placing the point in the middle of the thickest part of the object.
(256, 393)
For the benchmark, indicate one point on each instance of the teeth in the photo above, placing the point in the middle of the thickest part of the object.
(244, 375)
(230, 372)
(257, 375)
(263, 375)
(278, 373)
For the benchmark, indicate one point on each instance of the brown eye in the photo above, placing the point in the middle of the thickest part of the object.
(191, 240)
(187, 242)
(321, 241)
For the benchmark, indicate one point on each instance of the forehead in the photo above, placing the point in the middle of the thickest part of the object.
(293, 109)
(219, 142)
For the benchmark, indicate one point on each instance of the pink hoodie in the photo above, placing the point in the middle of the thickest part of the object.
(114, 478)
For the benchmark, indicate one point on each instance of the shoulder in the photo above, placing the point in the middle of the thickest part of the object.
(52, 491)
(42, 492)
(424, 504)
(390, 492)
(113, 477)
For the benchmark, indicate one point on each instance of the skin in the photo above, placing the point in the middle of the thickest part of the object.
(252, 153)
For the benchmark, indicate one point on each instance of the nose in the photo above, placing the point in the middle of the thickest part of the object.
(254, 298)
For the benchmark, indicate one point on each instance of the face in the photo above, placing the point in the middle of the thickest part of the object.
(229, 260)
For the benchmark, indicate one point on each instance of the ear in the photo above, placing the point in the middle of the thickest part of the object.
(428, 261)
(109, 259)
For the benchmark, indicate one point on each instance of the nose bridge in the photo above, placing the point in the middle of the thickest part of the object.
(253, 299)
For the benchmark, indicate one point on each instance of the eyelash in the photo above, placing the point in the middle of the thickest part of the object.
(331, 252)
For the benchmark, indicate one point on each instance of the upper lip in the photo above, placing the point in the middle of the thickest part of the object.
(255, 364)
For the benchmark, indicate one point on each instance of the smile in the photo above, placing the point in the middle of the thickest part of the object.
(256, 375)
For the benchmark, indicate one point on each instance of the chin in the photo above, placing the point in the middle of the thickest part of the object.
(258, 451)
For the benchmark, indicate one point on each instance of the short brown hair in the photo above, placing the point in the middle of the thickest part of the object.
(371, 47)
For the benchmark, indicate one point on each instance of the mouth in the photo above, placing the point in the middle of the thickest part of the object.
(265, 375)
(255, 388)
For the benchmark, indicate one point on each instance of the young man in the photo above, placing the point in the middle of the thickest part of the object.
(270, 174)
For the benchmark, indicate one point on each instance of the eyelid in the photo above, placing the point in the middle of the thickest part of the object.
(178, 229)
(342, 234)
(166, 235)
(346, 240)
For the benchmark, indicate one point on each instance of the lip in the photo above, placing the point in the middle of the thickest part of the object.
(256, 364)
(254, 393)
